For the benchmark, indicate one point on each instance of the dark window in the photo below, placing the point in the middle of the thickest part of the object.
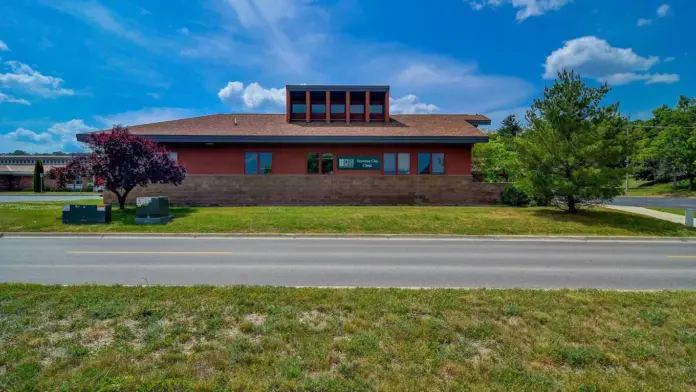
(357, 109)
(404, 163)
(265, 163)
(376, 109)
(438, 163)
(327, 163)
(389, 163)
(338, 109)
(423, 163)
(299, 108)
(318, 109)
(251, 163)
(312, 163)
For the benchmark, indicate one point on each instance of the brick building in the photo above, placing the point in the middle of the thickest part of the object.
(334, 145)
(17, 171)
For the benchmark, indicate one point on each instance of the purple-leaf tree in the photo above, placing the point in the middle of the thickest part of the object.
(61, 176)
(124, 161)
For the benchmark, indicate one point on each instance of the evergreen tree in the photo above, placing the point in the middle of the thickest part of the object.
(575, 148)
(38, 179)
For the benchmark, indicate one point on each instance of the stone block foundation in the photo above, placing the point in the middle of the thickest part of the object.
(231, 190)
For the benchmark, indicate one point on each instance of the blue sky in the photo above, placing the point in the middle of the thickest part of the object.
(71, 66)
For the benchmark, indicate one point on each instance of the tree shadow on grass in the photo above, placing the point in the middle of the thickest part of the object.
(127, 216)
(635, 224)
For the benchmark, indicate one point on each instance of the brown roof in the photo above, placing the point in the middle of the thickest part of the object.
(18, 170)
(408, 125)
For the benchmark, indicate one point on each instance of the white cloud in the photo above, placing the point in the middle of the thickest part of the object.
(22, 134)
(663, 78)
(154, 95)
(11, 99)
(426, 74)
(629, 77)
(594, 57)
(3, 46)
(59, 136)
(453, 86)
(669, 59)
(528, 8)
(95, 13)
(276, 41)
(70, 128)
(410, 104)
(65, 133)
(232, 90)
(252, 96)
(23, 78)
(620, 79)
(184, 31)
(663, 10)
(597, 59)
(644, 22)
(267, 21)
(145, 116)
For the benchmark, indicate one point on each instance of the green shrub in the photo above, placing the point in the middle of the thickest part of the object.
(513, 196)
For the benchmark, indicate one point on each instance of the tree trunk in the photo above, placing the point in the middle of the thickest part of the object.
(674, 181)
(572, 208)
(122, 198)
(121, 201)
(691, 181)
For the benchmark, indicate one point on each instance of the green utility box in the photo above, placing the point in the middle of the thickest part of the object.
(86, 214)
(152, 210)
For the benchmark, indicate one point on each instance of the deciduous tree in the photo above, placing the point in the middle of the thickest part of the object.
(61, 176)
(124, 161)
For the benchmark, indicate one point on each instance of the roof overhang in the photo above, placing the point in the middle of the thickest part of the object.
(316, 139)
(16, 174)
(335, 87)
(476, 123)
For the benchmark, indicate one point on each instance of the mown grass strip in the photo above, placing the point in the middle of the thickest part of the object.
(100, 338)
(46, 217)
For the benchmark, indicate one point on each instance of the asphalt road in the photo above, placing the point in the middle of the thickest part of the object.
(666, 202)
(58, 197)
(350, 262)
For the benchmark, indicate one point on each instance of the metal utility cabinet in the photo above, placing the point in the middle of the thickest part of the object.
(152, 210)
(86, 214)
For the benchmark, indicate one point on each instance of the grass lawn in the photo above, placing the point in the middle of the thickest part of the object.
(32, 193)
(97, 338)
(46, 217)
(678, 211)
(643, 188)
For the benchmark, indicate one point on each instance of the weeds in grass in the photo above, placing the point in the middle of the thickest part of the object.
(91, 338)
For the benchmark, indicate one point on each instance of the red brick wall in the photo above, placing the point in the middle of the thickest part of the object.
(323, 190)
(291, 159)
(18, 183)
(6, 183)
(25, 182)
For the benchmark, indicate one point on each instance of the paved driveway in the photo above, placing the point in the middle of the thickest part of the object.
(10, 199)
(665, 202)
